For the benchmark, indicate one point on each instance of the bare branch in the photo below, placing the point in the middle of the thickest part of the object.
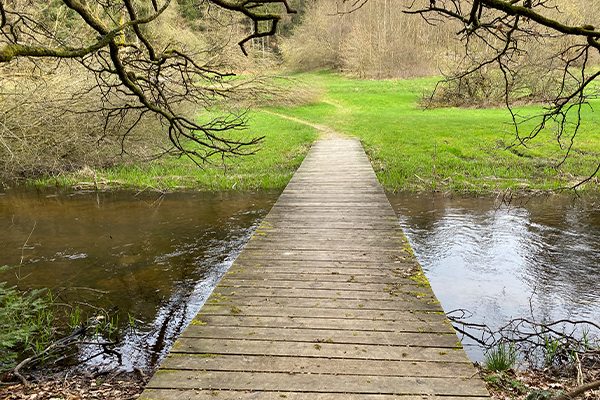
(141, 78)
(249, 9)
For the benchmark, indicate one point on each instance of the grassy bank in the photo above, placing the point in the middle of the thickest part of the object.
(279, 155)
(444, 149)
(411, 149)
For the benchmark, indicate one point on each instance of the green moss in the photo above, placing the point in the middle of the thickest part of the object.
(218, 299)
(197, 322)
(420, 278)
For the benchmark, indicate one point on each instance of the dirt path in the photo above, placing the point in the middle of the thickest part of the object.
(326, 133)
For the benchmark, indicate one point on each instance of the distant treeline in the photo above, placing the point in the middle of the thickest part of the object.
(379, 40)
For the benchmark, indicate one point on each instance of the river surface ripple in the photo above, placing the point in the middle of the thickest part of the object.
(539, 255)
(159, 257)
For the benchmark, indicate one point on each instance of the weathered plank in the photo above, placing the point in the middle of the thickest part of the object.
(316, 312)
(318, 348)
(332, 293)
(317, 366)
(327, 335)
(178, 394)
(356, 283)
(423, 323)
(326, 301)
(317, 383)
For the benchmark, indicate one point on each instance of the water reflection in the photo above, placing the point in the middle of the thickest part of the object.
(158, 256)
(502, 262)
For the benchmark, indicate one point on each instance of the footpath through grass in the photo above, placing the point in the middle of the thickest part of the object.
(444, 149)
(410, 148)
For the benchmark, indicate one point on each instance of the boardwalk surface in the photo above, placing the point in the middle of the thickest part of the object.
(326, 301)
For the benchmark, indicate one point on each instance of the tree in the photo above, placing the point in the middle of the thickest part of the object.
(499, 33)
(135, 74)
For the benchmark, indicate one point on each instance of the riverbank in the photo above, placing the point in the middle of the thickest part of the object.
(411, 149)
(113, 385)
(279, 155)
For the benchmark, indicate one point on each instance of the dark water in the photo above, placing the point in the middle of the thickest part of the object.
(158, 256)
(502, 262)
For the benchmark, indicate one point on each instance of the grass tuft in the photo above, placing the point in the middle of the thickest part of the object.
(502, 357)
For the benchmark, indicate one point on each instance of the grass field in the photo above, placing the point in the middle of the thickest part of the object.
(445, 149)
(279, 155)
(410, 148)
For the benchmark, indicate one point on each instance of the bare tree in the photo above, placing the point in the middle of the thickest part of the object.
(497, 33)
(136, 75)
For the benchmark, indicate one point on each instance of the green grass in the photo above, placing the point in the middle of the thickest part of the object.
(279, 155)
(410, 148)
(502, 357)
(444, 149)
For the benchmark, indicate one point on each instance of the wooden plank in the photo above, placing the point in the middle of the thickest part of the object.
(333, 293)
(365, 255)
(315, 383)
(447, 341)
(365, 304)
(318, 366)
(423, 323)
(321, 270)
(179, 394)
(316, 312)
(373, 283)
(397, 267)
(326, 301)
(318, 348)
(329, 234)
(364, 283)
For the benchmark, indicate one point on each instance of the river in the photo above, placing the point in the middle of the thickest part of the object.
(159, 256)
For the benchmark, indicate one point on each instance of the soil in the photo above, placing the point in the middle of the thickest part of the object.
(114, 386)
(542, 383)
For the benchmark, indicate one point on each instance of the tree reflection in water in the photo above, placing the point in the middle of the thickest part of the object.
(492, 260)
(158, 257)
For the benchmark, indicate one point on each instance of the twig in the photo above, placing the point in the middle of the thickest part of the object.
(578, 391)
(17, 369)
(23, 251)
(80, 288)
(61, 343)
(140, 374)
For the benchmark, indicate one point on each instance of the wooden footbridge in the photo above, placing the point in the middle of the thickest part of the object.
(326, 301)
